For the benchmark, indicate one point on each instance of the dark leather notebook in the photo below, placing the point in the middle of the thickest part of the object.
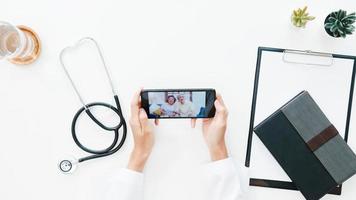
(307, 146)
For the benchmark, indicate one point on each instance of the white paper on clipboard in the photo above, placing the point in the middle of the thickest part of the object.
(279, 81)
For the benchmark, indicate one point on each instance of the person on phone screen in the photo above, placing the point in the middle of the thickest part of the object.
(185, 107)
(226, 180)
(169, 108)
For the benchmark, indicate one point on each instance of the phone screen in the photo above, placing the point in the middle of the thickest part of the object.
(183, 103)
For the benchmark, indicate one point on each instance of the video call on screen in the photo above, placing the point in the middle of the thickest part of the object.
(177, 104)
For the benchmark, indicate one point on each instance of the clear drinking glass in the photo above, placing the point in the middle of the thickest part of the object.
(18, 44)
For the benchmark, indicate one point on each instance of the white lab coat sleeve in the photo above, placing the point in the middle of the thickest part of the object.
(125, 184)
(225, 180)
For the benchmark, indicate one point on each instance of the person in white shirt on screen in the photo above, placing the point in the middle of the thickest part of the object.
(185, 107)
(169, 108)
(224, 178)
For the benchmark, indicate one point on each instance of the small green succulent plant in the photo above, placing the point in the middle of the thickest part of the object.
(300, 17)
(340, 24)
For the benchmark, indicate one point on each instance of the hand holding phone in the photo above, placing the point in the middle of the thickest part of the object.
(214, 130)
(143, 136)
(160, 104)
(178, 103)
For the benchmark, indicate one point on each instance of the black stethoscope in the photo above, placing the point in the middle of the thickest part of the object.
(68, 165)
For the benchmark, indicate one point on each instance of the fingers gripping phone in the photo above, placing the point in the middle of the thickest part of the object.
(178, 103)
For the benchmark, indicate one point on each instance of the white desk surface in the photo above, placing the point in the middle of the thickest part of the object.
(156, 44)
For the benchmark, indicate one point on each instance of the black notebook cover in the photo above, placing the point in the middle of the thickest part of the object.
(291, 152)
(284, 134)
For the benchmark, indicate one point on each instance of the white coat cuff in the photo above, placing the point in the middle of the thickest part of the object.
(128, 176)
(220, 167)
(228, 168)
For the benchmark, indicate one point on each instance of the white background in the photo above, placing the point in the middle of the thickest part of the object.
(155, 44)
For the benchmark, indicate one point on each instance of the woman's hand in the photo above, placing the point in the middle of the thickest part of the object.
(214, 131)
(142, 131)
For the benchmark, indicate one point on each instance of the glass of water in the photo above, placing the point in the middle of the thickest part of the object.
(18, 44)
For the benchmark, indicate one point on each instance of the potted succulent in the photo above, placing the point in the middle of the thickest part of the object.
(300, 17)
(340, 24)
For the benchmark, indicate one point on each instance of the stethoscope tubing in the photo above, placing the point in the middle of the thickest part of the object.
(114, 147)
(61, 55)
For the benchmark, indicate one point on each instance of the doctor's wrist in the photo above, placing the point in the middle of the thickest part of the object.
(137, 160)
(218, 152)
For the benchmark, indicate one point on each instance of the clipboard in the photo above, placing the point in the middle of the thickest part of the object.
(281, 74)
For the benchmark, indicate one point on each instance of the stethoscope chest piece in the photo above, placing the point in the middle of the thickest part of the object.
(67, 166)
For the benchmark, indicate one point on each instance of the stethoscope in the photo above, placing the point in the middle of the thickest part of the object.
(68, 165)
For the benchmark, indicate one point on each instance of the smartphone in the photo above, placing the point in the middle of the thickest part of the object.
(178, 103)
